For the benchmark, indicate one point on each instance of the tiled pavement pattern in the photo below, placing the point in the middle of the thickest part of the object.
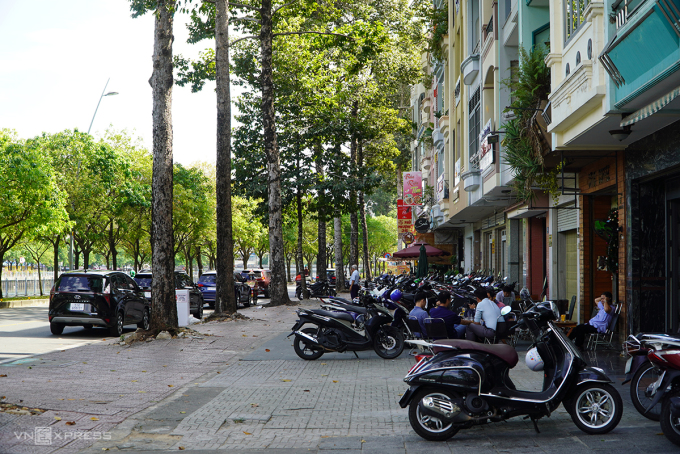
(219, 403)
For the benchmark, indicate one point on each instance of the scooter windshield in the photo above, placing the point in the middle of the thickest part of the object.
(568, 342)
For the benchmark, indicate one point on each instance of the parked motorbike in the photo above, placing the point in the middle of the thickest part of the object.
(666, 390)
(363, 328)
(640, 371)
(318, 289)
(467, 383)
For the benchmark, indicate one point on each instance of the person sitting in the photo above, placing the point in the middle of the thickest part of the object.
(486, 317)
(419, 313)
(597, 324)
(491, 294)
(506, 291)
(443, 311)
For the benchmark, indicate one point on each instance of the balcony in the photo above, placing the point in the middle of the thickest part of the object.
(444, 125)
(445, 45)
(427, 105)
(471, 180)
(643, 56)
(470, 68)
(426, 163)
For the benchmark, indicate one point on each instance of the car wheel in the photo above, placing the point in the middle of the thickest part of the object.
(117, 329)
(57, 328)
(145, 323)
(247, 303)
(199, 312)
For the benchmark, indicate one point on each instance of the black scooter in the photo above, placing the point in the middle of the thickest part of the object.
(467, 383)
(318, 289)
(358, 329)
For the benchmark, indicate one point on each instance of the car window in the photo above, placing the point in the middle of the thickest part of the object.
(129, 283)
(208, 278)
(144, 281)
(80, 284)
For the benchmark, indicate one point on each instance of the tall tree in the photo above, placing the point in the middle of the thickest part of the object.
(164, 310)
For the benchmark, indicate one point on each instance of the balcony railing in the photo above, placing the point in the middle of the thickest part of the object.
(488, 29)
(624, 9)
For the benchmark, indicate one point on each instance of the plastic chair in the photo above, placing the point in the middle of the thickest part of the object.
(606, 338)
(436, 328)
(414, 328)
(570, 313)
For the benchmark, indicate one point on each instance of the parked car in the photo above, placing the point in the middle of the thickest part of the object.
(261, 277)
(182, 282)
(207, 285)
(109, 299)
(330, 274)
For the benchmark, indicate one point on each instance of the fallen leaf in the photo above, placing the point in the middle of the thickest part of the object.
(286, 379)
(105, 449)
(247, 433)
(121, 395)
(181, 448)
(170, 386)
(244, 335)
(267, 350)
(325, 436)
(324, 375)
(134, 381)
(70, 423)
(165, 365)
(84, 362)
(183, 412)
(142, 391)
(324, 364)
(94, 418)
(335, 381)
(363, 441)
(306, 390)
(218, 372)
(254, 335)
(143, 371)
(70, 399)
(57, 418)
(254, 405)
(3, 375)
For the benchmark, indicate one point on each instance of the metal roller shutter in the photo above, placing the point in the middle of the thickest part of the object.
(567, 219)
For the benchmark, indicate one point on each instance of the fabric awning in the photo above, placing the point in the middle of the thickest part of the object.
(651, 109)
(414, 251)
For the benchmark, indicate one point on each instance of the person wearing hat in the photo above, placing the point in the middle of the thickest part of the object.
(486, 317)
(418, 312)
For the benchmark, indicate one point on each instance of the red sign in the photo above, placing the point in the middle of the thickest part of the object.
(403, 212)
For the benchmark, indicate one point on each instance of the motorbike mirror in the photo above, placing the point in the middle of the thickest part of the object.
(506, 310)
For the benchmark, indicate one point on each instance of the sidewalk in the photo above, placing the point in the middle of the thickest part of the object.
(241, 387)
(36, 301)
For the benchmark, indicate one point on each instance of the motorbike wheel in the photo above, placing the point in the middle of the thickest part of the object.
(247, 303)
(597, 408)
(388, 342)
(644, 376)
(669, 425)
(429, 427)
(305, 351)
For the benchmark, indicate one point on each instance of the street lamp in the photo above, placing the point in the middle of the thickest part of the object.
(111, 93)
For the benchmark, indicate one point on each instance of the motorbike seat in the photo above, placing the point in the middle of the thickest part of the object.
(337, 315)
(408, 297)
(351, 307)
(505, 352)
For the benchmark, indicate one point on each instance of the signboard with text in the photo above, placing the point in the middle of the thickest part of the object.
(403, 212)
(413, 188)
(486, 151)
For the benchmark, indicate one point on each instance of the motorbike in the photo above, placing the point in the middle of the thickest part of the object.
(467, 383)
(316, 290)
(666, 390)
(357, 328)
(640, 371)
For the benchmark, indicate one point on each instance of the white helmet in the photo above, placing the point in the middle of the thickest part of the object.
(533, 360)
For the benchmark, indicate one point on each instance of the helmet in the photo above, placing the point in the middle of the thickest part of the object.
(386, 293)
(396, 295)
(533, 360)
(524, 294)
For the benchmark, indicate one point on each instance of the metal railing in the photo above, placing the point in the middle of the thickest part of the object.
(624, 9)
(488, 29)
(12, 288)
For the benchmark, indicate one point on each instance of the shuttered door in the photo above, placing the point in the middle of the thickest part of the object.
(567, 219)
(571, 275)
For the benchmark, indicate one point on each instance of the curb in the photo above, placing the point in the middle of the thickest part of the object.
(24, 303)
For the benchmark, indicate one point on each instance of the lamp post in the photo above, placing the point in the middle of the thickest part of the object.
(111, 93)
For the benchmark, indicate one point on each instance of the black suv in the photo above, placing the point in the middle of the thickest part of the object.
(182, 282)
(207, 284)
(103, 298)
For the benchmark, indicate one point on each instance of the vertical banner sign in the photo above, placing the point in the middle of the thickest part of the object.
(413, 188)
(486, 152)
(404, 218)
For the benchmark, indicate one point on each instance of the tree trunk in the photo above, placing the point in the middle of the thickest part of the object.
(339, 266)
(199, 261)
(299, 258)
(39, 279)
(321, 256)
(354, 221)
(2, 260)
(55, 244)
(362, 213)
(287, 269)
(277, 287)
(245, 255)
(225, 301)
(112, 247)
(86, 258)
(164, 309)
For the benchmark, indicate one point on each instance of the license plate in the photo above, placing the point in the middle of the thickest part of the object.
(629, 364)
(77, 306)
(147, 295)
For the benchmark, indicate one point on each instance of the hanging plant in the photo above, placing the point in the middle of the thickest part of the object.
(609, 230)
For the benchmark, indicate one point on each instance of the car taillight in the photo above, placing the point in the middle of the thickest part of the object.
(199, 285)
(260, 279)
(52, 292)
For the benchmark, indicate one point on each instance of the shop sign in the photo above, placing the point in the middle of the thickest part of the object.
(456, 177)
(403, 212)
(441, 188)
(413, 188)
(404, 225)
(486, 152)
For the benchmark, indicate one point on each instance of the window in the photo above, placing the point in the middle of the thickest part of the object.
(475, 127)
(80, 284)
(475, 27)
(508, 8)
(574, 14)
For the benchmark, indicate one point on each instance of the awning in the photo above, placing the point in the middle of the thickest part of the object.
(414, 252)
(651, 109)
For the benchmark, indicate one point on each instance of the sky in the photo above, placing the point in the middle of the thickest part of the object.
(57, 55)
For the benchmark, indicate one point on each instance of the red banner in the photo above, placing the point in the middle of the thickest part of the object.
(403, 212)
